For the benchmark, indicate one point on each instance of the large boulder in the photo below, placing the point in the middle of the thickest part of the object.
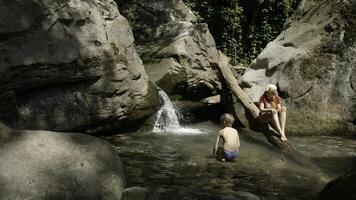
(313, 64)
(179, 54)
(70, 65)
(43, 165)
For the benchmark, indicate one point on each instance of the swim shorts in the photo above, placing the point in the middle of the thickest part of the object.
(230, 155)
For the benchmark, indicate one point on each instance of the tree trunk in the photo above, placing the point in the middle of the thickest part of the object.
(268, 131)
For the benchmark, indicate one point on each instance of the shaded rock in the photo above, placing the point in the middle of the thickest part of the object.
(245, 118)
(70, 65)
(6, 133)
(50, 165)
(158, 193)
(342, 188)
(179, 55)
(312, 63)
(198, 111)
(247, 196)
(171, 193)
(135, 193)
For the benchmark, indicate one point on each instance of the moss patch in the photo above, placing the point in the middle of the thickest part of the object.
(316, 67)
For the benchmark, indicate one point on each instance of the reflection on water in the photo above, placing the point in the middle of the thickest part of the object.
(335, 155)
(181, 167)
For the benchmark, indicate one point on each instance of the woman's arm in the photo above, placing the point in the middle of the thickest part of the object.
(238, 141)
(279, 107)
(262, 107)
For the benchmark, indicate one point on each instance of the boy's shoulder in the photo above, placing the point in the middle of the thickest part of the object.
(227, 129)
(234, 131)
(231, 128)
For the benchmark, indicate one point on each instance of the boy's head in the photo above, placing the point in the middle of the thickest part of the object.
(227, 120)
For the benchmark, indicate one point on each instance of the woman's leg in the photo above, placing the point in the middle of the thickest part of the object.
(269, 117)
(277, 125)
(283, 118)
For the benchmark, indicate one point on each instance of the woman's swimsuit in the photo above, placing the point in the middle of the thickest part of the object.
(267, 103)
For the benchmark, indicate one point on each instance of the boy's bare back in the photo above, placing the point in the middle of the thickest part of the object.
(231, 139)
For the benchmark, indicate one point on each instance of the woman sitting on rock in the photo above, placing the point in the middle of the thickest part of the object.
(272, 111)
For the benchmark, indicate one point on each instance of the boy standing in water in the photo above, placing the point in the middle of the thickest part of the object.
(230, 138)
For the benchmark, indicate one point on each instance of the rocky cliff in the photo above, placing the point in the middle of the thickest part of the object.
(178, 53)
(70, 65)
(313, 63)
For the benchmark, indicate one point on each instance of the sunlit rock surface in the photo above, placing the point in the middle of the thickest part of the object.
(50, 165)
(70, 65)
(313, 63)
(179, 54)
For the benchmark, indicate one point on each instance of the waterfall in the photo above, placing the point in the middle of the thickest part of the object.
(167, 116)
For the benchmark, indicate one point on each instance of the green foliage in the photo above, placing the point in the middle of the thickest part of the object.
(242, 28)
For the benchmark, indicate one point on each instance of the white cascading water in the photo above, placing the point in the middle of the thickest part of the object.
(168, 118)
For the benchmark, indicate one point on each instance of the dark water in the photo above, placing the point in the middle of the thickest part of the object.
(180, 166)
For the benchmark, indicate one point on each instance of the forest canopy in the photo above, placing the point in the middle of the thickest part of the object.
(242, 28)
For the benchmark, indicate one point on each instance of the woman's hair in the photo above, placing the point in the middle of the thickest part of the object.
(227, 119)
(271, 88)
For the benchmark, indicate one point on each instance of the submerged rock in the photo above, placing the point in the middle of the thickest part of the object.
(179, 54)
(342, 188)
(313, 63)
(70, 65)
(135, 193)
(49, 165)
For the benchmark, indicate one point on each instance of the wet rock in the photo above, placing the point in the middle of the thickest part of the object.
(312, 63)
(50, 165)
(70, 65)
(228, 197)
(171, 193)
(135, 193)
(157, 193)
(342, 188)
(247, 196)
(6, 133)
(198, 111)
(179, 54)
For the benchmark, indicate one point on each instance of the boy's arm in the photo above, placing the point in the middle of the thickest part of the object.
(216, 144)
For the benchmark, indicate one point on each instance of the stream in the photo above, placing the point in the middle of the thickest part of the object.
(175, 162)
(180, 166)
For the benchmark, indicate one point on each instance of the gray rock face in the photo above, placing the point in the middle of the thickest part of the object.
(70, 65)
(179, 55)
(40, 165)
(313, 63)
